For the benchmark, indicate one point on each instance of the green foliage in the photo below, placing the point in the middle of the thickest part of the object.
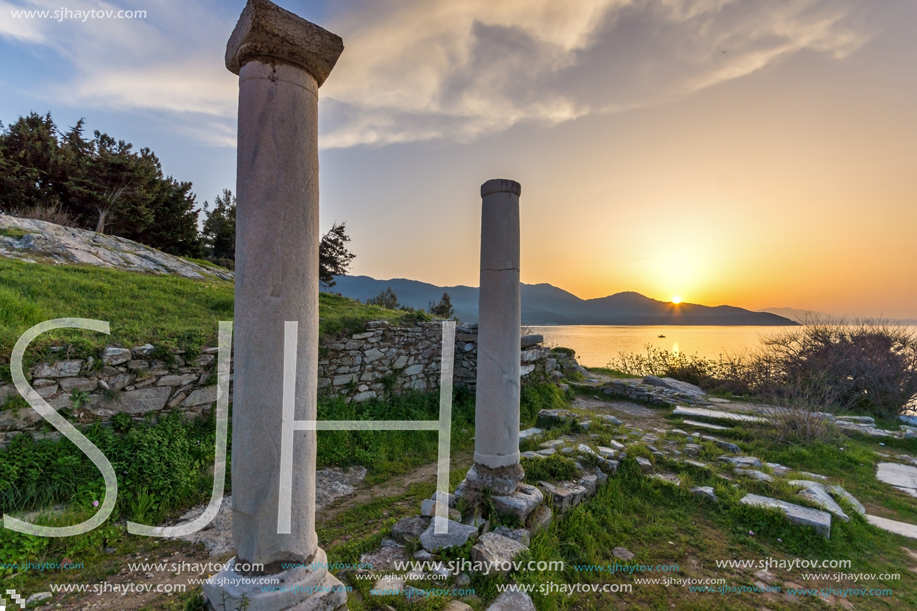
(159, 467)
(333, 256)
(101, 183)
(141, 308)
(390, 451)
(443, 309)
(14, 401)
(17, 548)
(79, 398)
(386, 299)
(536, 397)
(567, 351)
(553, 468)
(219, 232)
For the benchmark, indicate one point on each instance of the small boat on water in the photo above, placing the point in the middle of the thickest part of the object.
(662, 336)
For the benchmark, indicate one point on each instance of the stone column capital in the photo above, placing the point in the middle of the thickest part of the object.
(266, 32)
(500, 185)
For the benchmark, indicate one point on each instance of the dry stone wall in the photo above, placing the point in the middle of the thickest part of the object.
(141, 380)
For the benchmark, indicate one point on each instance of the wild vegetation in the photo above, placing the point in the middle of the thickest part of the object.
(824, 365)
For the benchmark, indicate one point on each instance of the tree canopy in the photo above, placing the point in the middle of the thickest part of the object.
(102, 184)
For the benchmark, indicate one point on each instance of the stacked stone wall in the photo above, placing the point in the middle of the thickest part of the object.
(141, 380)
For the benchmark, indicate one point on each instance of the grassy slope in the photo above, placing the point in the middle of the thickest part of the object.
(141, 308)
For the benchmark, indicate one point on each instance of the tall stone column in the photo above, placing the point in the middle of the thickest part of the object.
(281, 60)
(496, 447)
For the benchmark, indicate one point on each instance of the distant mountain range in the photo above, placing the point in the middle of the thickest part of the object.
(544, 304)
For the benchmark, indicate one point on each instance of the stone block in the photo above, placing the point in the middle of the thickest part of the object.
(201, 396)
(142, 401)
(540, 519)
(797, 514)
(705, 491)
(520, 503)
(520, 535)
(68, 385)
(497, 551)
(115, 356)
(512, 601)
(457, 535)
(143, 351)
(176, 380)
(744, 462)
(61, 369)
(645, 465)
(565, 494)
(406, 528)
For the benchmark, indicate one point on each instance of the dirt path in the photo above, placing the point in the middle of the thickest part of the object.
(392, 487)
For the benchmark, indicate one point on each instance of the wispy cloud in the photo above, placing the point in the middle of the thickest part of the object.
(169, 64)
(437, 69)
(426, 69)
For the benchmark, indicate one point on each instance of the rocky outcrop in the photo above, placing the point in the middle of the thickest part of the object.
(42, 242)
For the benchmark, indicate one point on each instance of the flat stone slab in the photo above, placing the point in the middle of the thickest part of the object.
(840, 493)
(700, 412)
(797, 514)
(705, 491)
(818, 495)
(761, 476)
(457, 535)
(532, 432)
(706, 425)
(745, 462)
(903, 477)
(899, 528)
(676, 385)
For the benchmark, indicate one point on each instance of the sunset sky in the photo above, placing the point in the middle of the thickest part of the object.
(752, 153)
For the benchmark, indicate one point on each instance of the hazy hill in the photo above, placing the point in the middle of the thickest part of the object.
(544, 304)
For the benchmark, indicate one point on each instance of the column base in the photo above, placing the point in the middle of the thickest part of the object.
(501, 480)
(299, 589)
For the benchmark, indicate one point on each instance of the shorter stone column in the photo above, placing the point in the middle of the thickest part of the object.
(496, 449)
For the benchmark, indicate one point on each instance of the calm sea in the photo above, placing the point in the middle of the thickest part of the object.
(595, 345)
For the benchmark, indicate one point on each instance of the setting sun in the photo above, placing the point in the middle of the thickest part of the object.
(676, 299)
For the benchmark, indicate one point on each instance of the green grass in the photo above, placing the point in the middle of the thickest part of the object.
(13, 232)
(612, 373)
(140, 308)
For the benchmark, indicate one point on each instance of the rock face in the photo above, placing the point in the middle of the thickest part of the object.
(676, 385)
(49, 243)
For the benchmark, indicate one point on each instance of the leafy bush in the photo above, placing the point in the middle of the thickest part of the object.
(560, 350)
(824, 364)
(167, 465)
(536, 397)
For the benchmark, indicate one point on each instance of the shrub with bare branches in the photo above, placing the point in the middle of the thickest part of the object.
(865, 364)
(49, 214)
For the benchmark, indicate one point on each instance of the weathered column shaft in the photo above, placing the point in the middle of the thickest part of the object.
(281, 60)
(277, 230)
(496, 453)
